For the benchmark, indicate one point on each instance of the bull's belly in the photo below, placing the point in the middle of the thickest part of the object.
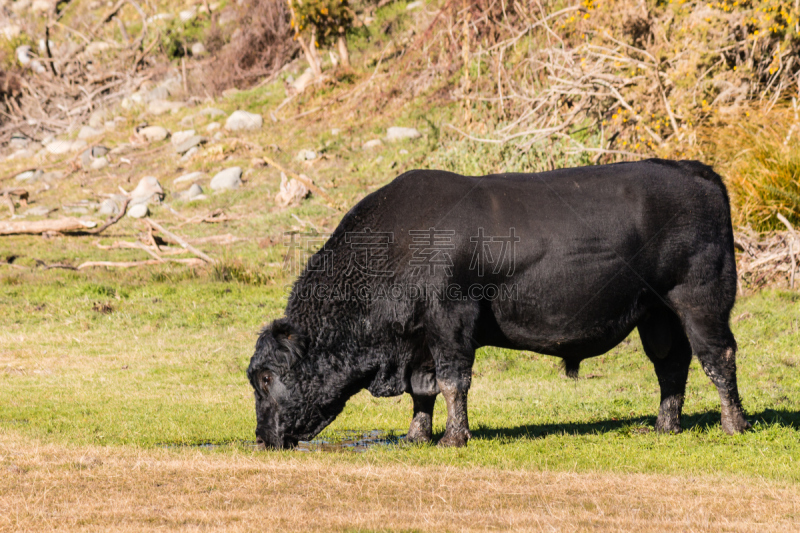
(584, 330)
(597, 341)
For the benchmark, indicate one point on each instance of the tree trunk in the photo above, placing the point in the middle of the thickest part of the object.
(311, 57)
(344, 54)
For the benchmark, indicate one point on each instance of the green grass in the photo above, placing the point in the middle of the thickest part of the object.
(166, 366)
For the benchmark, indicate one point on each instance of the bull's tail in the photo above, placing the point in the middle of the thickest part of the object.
(571, 366)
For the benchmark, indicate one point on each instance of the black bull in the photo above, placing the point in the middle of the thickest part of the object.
(434, 265)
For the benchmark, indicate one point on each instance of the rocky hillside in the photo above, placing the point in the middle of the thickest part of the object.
(207, 120)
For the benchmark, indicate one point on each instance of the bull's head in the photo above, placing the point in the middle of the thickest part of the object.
(283, 412)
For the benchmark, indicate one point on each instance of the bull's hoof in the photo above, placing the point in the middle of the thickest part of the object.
(418, 439)
(733, 424)
(672, 426)
(455, 440)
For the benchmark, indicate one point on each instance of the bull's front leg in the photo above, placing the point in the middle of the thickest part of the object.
(457, 429)
(421, 429)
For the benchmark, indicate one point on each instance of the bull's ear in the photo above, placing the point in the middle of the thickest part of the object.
(291, 338)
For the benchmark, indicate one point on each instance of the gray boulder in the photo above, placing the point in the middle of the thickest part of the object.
(189, 143)
(397, 133)
(138, 211)
(243, 121)
(230, 178)
(154, 133)
(148, 189)
(100, 162)
(179, 136)
(191, 176)
(87, 132)
(306, 155)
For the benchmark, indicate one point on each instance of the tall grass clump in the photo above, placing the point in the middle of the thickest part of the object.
(761, 163)
(236, 270)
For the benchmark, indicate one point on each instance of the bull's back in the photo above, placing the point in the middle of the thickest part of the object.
(588, 249)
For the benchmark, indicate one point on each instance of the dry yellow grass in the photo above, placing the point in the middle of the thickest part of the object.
(95, 488)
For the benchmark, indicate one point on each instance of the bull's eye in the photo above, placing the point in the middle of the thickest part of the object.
(266, 380)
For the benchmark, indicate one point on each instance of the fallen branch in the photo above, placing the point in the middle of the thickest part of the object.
(218, 239)
(308, 183)
(129, 264)
(112, 220)
(43, 226)
(180, 241)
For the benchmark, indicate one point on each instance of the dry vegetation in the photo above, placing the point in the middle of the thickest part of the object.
(71, 489)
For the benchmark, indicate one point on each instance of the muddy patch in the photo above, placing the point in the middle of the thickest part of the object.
(351, 441)
(341, 441)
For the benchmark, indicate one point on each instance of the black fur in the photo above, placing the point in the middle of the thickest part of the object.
(601, 250)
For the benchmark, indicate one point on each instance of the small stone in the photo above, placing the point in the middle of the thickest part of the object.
(213, 127)
(159, 107)
(138, 211)
(243, 121)
(180, 136)
(160, 16)
(191, 142)
(189, 154)
(336, 131)
(62, 147)
(230, 178)
(18, 142)
(198, 49)
(38, 211)
(213, 112)
(122, 149)
(50, 177)
(23, 54)
(403, 152)
(108, 207)
(374, 143)
(148, 189)
(414, 5)
(86, 158)
(258, 162)
(25, 176)
(194, 191)
(187, 14)
(397, 133)
(154, 133)
(99, 151)
(191, 176)
(100, 162)
(306, 155)
(218, 136)
(187, 121)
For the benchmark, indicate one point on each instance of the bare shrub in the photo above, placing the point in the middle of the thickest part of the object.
(260, 48)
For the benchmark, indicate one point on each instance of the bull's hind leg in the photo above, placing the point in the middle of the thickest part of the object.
(713, 342)
(668, 348)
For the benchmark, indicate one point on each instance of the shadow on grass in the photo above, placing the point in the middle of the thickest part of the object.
(641, 424)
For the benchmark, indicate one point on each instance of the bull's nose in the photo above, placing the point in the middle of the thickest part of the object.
(260, 443)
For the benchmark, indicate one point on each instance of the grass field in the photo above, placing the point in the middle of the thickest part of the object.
(110, 385)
